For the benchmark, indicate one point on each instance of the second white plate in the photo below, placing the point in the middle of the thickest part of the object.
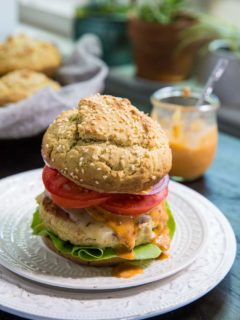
(26, 255)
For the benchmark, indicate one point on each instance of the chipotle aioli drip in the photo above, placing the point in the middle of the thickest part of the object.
(126, 228)
(162, 238)
(128, 255)
(124, 270)
(163, 256)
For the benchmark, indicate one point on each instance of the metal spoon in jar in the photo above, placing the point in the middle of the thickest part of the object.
(214, 77)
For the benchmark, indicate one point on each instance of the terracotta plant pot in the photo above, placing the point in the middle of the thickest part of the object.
(155, 49)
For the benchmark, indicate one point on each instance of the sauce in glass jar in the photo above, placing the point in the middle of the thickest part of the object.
(192, 131)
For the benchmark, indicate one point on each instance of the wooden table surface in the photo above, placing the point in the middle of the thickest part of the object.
(221, 185)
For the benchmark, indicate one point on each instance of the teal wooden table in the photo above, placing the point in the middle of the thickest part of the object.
(221, 185)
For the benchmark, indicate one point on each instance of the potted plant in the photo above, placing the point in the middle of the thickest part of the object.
(108, 20)
(220, 40)
(155, 29)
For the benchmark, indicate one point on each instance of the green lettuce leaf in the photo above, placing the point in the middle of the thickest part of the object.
(142, 252)
(171, 222)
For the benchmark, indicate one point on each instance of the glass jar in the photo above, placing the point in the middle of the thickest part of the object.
(192, 131)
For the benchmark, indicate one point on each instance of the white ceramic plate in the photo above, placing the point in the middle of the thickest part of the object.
(26, 255)
(28, 299)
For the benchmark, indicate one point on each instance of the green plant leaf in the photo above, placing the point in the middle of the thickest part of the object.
(211, 28)
(103, 8)
(160, 11)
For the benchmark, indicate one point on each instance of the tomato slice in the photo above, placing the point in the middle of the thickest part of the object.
(67, 194)
(131, 205)
(75, 203)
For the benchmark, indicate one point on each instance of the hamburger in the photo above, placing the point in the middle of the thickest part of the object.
(106, 184)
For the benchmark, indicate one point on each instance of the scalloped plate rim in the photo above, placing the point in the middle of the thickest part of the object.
(120, 285)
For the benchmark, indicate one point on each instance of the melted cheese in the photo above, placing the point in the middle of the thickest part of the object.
(124, 227)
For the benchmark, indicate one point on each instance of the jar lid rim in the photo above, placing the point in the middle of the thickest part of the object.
(212, 102)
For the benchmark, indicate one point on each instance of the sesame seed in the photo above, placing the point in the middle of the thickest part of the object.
(82, 170)
(133, 167)
(81, 180)
(96, 182)
(76, 170)
(81, 159)
(104, 177)
(122, 163)
(154, 177)
(92, 164)
(99, 169)
(47, 145)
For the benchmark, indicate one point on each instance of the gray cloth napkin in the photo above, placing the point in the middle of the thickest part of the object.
(83, 74)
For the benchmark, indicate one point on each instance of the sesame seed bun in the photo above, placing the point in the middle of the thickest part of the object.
(108, 145)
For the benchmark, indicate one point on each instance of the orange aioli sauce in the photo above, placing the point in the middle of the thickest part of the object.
(124, 270)
(193, 141)
(162, 240)
(159, 216)
(163, 256)
(128, 255)
(191, 161)
(125, 229)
